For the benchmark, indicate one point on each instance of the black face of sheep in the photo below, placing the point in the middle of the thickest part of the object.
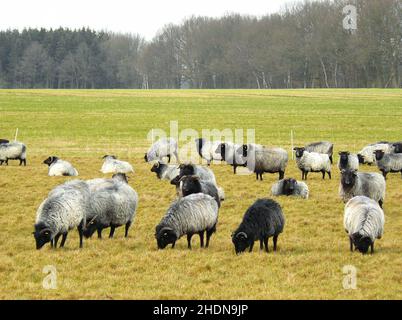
(186, 170)
(289, 186)
(111, 156)
(50, 160)
(361, 243)
(4, 141)
(221, 149)
(299, 151)
(164, 237)
(361, 158)
(397, 147)
(379, 154)
(190, 185)
(241, 242)
(42, 235)
(91, 227)
(348, 178)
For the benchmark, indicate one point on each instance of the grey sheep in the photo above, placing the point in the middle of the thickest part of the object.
(312, 162)
(65, 208)
(387, 163)
(348, 160)
(369, 184)
(165, 171)
(290, 187)
(194, 214)
(228, 153)
(164, 147)
(321, 147)
(13, 151)
(261, 159)
(193, 184)
(363, 222)
(262, 220)
(114, 203)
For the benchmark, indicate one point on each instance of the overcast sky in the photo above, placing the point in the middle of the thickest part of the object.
(134, 16)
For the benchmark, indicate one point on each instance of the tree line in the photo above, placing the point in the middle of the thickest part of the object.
(303, 46)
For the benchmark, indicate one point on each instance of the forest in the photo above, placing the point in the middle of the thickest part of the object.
(305, 45)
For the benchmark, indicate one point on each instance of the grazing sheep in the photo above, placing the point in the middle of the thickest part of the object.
(2, 141)
(364, 222)
(194, 214)
(193, 184)
(348, 161)
(321, 147)
(58, 167)
(312, 162)
(262, 220)
(366, 155)
(228, 153)
(13, 151)
(261, 159)
(165, 147)
(112, 165)
(207, 150)
(369, 184)
(204, 173)
(114, 203)
(165, 171)
(65, 208)
(387, 163)
(397, 147)
(290, 187)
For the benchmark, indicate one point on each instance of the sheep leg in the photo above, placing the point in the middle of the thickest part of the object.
(266, 244)
(256, 176)
(323, 174)
(112, 228)
(52, 243)
(173, 244)
(6, 161)
(99, 231)
(251, 247)
(261, 173)
(384, 173)
(302, 174)
(351, 244)
(329, 175)
(234, 170)
(25, 162)
(63, 240)
(189, 235)
(201, 234)
(281, 175)
(128, 224)
(209, 233)
(372, 248)
(275, 241)
(330, 159)
(81, 232)
(261, 244)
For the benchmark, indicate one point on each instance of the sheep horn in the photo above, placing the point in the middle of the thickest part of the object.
(242, 233)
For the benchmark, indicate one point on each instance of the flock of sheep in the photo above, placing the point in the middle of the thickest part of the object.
(96, 204)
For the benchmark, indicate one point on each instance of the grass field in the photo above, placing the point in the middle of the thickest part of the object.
(82, 126)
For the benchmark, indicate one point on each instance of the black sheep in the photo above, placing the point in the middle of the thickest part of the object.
(262, 220)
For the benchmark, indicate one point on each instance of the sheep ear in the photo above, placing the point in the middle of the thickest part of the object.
(241, 235)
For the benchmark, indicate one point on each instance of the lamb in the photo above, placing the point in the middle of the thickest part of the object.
(262, 220)
(13, 151)
(290, 187)
(261, 159)
(364, 222)
(369, 184)
(112, 165)
(58, 167)
(208, 150)
(165, 171)
(114, 203)
(204, 173)
(193, 184)
(321, 147)
(348, 160)
(388, 162)
(366, 155)
(228, 153)
(165, 147)
(312, 162)
(194, 214)
(65, 208)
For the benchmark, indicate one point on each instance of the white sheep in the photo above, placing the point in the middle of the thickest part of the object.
(312, 162)
(59, 167)
(112, 165)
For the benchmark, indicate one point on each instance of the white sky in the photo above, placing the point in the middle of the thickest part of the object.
(144, 17)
